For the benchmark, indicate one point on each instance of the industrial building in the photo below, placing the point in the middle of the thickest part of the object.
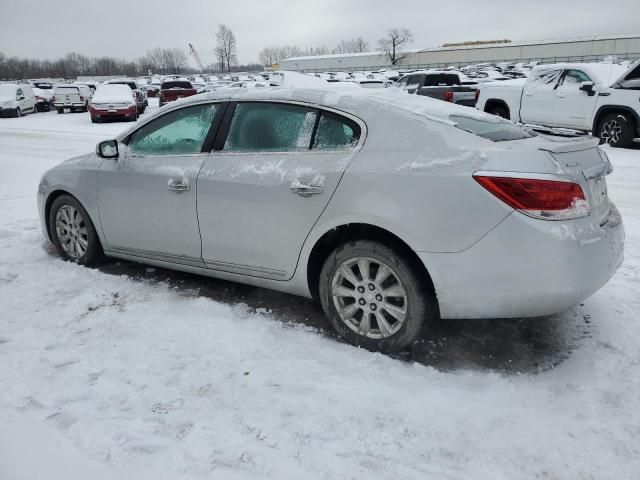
(576, 49)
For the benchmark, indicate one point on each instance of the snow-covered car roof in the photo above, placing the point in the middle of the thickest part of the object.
(370, 105)
(601, 73)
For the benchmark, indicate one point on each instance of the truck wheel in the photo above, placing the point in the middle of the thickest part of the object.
(60, 110)
(499, 111)
(617, 130)
(373, 297)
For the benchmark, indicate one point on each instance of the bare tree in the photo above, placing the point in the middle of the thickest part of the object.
(269, 56)
(359, 45)
(393, 44)
(226, 47)
(355, 45)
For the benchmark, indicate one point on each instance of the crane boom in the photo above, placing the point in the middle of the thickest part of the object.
(197, 57)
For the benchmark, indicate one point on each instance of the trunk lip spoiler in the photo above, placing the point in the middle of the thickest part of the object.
(568, 146)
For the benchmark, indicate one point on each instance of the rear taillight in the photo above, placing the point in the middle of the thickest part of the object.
(448, 96)
(477, 94)
(81, 98)
(546, 199)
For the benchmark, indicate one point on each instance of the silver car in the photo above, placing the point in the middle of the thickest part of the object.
(391, 210)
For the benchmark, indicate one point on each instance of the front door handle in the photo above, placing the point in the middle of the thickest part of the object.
(178, 185)
(305, 189)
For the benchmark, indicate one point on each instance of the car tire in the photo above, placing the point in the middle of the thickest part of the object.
(617, 130)
(86, 107)
(499, 111)
(18, 112)
(73, 233)
(362, 305)
(95, 120)
(60, 110)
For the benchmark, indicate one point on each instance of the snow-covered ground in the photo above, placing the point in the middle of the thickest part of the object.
(110, 376)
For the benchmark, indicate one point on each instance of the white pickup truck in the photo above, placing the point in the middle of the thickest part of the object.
(601, 98)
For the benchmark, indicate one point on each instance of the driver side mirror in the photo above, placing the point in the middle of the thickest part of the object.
(20, 97)
(107, 149)
(587, 87)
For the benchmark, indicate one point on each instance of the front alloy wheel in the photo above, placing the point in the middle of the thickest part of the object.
(72, 231)
(616, 130)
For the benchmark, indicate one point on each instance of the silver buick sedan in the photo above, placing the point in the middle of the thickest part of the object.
(391, 210)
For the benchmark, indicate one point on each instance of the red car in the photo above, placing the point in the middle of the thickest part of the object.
(172, 90)
(113, 101)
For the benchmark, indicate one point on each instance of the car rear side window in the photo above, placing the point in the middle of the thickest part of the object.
(180, 132)
(335, 132)
(270, 127)
(494, 129)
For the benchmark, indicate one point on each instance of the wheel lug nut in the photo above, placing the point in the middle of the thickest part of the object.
(372, 287)
(373, 306)
(361, 301)
(361, 289)
(379, 297)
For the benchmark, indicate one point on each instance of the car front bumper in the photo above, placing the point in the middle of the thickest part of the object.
(527, 267)
(7, 111)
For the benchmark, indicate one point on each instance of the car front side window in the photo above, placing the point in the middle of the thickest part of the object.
(576, 77)
(270, 127)
(181, 132)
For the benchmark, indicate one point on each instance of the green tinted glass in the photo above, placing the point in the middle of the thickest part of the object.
(177, 133)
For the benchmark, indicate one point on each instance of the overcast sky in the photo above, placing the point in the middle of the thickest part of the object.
(128, 28)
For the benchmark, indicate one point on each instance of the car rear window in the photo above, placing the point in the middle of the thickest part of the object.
(496, 130)
(67, 90)
(176, 84)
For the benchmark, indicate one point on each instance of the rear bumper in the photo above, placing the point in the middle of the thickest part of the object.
(68, 105)
(527, 267)
(113, 113)
(467, 102)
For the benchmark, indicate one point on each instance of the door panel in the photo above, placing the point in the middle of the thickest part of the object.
(257, 207)
(574, 108)
(147, 197)
(539, 96)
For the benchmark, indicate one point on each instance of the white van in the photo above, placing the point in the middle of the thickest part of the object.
(72, 96)
(16, 99)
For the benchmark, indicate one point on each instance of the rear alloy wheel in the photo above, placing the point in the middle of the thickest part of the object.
(373, 298)
(617, 130)
(72, 231)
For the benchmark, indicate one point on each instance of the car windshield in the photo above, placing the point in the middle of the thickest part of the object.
(496, 130)
(7, 91)
(176, 84)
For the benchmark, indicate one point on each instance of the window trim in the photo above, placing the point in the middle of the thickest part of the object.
(223, 130)
(208, 143)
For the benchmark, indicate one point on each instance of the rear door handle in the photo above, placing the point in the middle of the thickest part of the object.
(305, 189)
(178, 185)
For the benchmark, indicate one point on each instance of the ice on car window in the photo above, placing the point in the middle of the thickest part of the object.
(177, 133)
(496, 130)
(334, 132)
(270, 127)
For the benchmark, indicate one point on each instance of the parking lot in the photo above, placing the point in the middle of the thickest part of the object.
(168, 375)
